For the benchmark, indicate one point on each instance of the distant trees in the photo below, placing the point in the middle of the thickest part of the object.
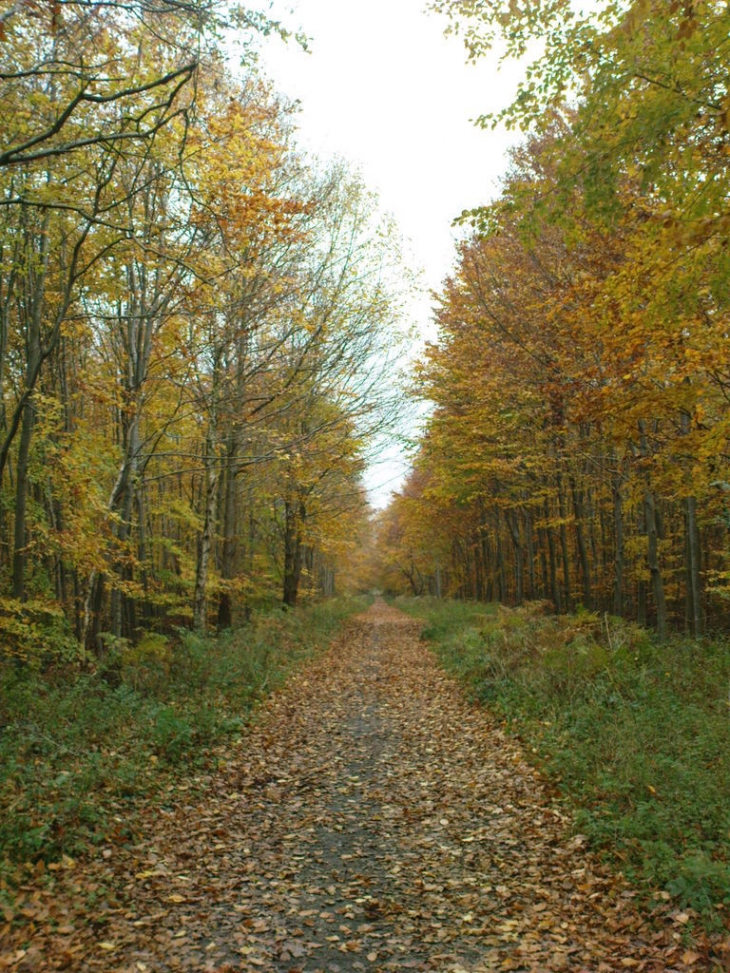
(578, 447)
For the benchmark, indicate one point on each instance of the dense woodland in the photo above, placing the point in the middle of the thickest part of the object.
(198, 357)
(198, 347)
(195, 324)
(577, 451)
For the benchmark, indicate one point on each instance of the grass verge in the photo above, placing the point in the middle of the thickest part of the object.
(79, 745)
(634, 734)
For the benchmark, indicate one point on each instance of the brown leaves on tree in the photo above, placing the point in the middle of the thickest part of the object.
(371, 820)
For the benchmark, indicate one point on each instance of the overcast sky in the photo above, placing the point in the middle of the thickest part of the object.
(384, 89)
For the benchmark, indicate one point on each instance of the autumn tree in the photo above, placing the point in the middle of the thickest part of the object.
(590, 437)
(563, 426)
(189, 307)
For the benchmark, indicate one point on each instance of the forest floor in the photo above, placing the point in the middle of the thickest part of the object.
(371, 820)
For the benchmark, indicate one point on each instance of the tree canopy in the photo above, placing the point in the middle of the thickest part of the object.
(194, 318)
(578, 445)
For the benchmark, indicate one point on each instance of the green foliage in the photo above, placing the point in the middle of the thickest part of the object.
(36, 633)
(78, 747)
(635, 734)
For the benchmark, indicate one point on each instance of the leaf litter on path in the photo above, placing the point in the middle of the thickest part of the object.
(372, 820)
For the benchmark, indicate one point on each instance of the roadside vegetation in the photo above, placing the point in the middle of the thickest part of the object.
(80, 744)
(634, 734)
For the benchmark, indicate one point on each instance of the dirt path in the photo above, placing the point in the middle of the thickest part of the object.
(372, 820)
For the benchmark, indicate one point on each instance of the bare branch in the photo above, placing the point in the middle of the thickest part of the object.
(22, 154)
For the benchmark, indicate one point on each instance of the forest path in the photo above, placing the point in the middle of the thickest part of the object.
(371, 820)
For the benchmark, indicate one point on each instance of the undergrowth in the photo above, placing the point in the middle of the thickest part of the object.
(634, 734)
(80, 743)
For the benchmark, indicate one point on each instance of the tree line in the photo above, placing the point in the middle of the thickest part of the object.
(577, 450)
(194, 327)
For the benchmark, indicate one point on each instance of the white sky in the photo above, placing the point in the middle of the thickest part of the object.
(385, 90)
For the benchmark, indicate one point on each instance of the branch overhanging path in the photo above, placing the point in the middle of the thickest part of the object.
(372, 819)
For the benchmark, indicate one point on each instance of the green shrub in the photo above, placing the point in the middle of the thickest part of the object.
(77, 744)
(36, 634)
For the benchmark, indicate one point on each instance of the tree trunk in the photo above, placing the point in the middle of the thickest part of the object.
(501, 574)
(641, 596)
(35, 299)
(480, 574)
(20, 539)
(693, 553)
(553, 560)
(585, 568)
(230, 537)
(513, 526)
(545, 588)
(294, 515)
(327, 579)
(530, 544)
(212, 479)
(143, 608)
(651, 522)
(488, 566)
(564, 547)
(693, 559)
(657, 583)
(618, 561)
